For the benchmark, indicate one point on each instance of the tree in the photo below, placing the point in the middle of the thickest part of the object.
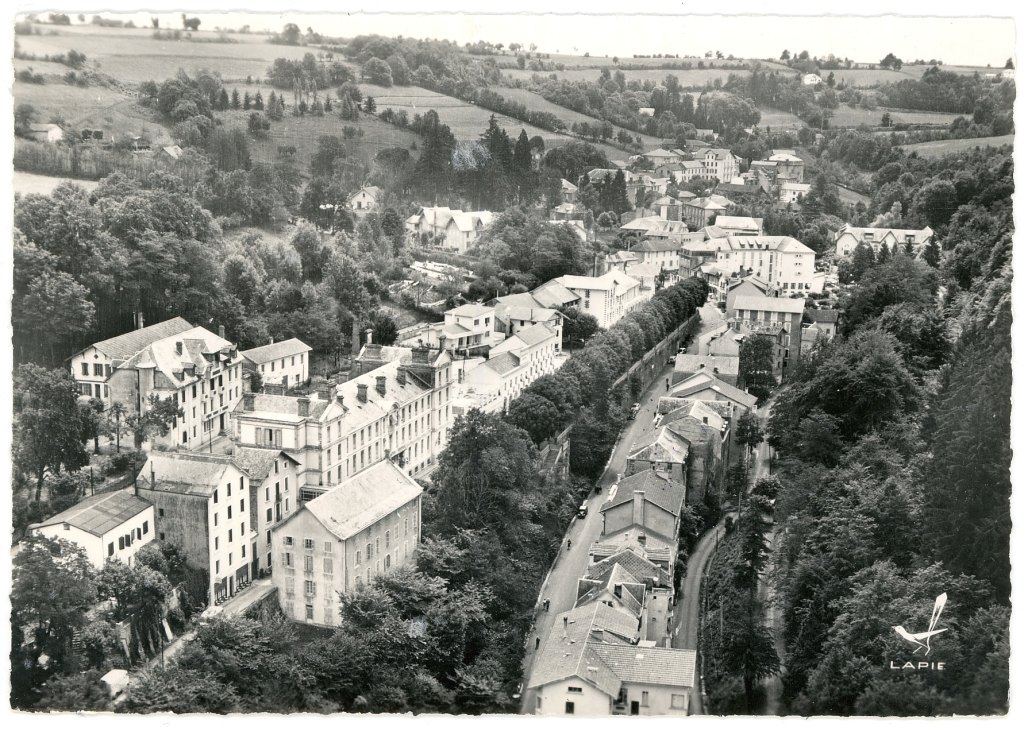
(577, 326)
(236, 102)
(535, 415)
(291, 35)
(749, 431)
(156, 420)
(140, 594)
(53, 586)
(115, 423)
(757, 365)
(376, 71)
(891, 61)
(57, 299)
(80, 692)
(24, 116)
(92, 421)
(48, 428)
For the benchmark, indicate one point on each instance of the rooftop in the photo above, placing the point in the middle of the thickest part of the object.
(185, 473)
(658, 490)
(761, 303)
(125, 346)
(688, 363)
(274, 351)
(100, 514)
(702, 381)
(363, 499)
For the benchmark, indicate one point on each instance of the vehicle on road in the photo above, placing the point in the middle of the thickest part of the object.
(634, 411)
(583, 510)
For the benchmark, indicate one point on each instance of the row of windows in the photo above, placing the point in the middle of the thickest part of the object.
(98, 369)
(273, 363)
(231, 557)
(127, 539)
(94, 390)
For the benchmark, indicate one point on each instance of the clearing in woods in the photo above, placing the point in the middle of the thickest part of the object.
(847, 116)
(948, 147)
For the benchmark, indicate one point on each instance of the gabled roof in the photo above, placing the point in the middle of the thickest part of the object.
(633, 562)
(553, 294)
(527, 314)
(659, 244)
(185, 473)
(689, 363)
(744, 223)
(170, 365)
(621, 257)
(371, 190)
(568, 654)
(667, 666)
(658, 490)
(719, 153)
(704, 381)
(275, 351)
(502, 364)
(100, 514)
(662, 446)
(760, 303)
(258, 462)
(363, 499)
(470, 310)
(125, 346)
(569, 187)
(535, 334)
(823, 315)
(631, 590)
(696, 410)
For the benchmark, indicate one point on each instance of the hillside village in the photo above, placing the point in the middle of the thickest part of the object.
(576, 387)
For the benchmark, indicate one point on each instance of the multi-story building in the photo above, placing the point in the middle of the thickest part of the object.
(793, 192)
(788, 167)
(363, 527)
(753, 309)
(569, 191)
(93, 366)
(364, 200)
(110, 526)
(848, 237)
(514, 364)
(607, 297)
(467, 330)
(781, 261)
(740, 226)
(285, 362)
(203, 504)
(400, 411)
(199, 371)
(719, 163)
(662, 253)
(464, 229)
(699, 212)
(511, 318)
(273, 496)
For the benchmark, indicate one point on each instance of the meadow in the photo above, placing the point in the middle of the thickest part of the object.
(27, 183)
(133, 55)
(692, 78)
(778, 119)
(846, 116)
(467, 121)
(946, 147)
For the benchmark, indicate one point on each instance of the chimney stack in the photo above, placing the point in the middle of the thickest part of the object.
(355, 338)
(400, 375)
(178, 347)
(369, 336)
(220, 331)
(340, 398)
(303, 406)
(382, 385)
(638, 507)
(361, 392)
(248, 401)
(142, 320)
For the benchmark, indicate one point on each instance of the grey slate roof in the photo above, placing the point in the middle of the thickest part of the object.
(100, 514)
(125, 346)
(258, 462)
(363, 499)
(649, 665)
(275, 351)
(658, 490)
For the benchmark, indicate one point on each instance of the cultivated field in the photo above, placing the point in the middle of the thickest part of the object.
(846, 116)
(133, 55)
(946, 147)
(466, 121)
(535, 102)
(26, 183)
(687, 78)
(303, 133)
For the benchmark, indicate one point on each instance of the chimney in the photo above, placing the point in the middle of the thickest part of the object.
(340, 398)
(442, 340)
(303, 406)
(618, 590)
(361, 394)
(421, 356)
(355, 338)
(248, 401)
(642, 539)
(701, 365)
(638, 507)
(705, 419)
(382, 385)
(142, 321)
(400, 375)
(220, 331)
(178, 347)
(716, 371)
(369, 336)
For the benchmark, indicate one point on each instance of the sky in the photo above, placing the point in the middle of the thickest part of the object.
(658, 27)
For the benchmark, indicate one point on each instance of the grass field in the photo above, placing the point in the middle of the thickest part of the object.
(690, 78)
(133, 55)
(846, 116)
(947, 147)
(778, 119)
(535, 102)
(26, 183)
(466, 121)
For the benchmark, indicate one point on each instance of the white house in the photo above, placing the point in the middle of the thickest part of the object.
(92, 366)
(515, 363)
(108, 526)
(793, 192)
(285, 362)
(607, 297)
(810, 79)
(848, 237)
(365, 199)
(719, 163)
(46, 132)
(363, 527)
(463, 229)
(781, 261)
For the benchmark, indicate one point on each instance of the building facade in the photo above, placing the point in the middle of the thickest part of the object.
(285, 363)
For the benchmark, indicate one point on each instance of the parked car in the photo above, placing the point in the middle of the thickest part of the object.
(634, 411)
(583, 510)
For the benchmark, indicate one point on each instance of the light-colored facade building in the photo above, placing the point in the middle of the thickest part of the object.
(364, 200)
(848, 237)
(273, 496)
(781, 261)
(607, 297)
(754, 309)
(363, 527)
(199, 371)
(464, 229)
(793, 192)
(719, 163)
(93, 366)
(285, 362)
(202, 506)
(399, 410)
(467, 330)
(111, 526)
(515, 363)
